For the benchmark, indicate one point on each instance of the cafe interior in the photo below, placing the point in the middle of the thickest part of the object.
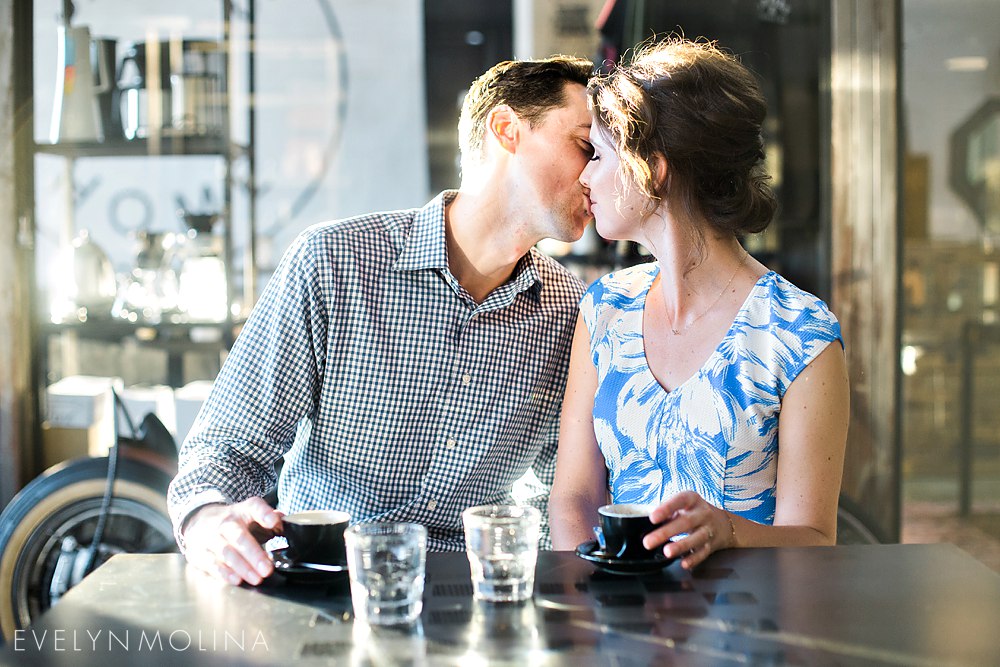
(158, 158)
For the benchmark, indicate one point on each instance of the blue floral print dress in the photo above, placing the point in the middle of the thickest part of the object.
(717, 432)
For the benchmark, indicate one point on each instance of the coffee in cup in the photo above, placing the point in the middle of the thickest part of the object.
(316, 536)
(623, 527)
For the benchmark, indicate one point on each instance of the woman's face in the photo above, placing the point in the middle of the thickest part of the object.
(616, 201)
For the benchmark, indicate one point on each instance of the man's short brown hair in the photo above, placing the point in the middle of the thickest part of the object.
(529, 87)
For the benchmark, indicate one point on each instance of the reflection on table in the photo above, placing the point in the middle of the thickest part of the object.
(857, 605)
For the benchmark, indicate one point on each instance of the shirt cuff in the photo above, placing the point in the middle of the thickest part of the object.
(181, 513)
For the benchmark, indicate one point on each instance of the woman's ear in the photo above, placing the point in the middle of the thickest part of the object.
(502, 125)
(661, 173)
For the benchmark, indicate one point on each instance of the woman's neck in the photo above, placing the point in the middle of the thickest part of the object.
(695, 271)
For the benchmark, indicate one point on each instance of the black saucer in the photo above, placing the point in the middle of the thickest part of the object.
(592, 552)
(300, 571)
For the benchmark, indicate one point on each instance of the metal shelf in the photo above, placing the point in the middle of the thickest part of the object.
(115, 330)
(174, 338)
(164, 146)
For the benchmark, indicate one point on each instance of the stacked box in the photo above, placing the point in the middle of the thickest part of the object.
(141, 400)
(79, 418)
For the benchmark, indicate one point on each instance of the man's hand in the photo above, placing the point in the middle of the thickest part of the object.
(225, 540)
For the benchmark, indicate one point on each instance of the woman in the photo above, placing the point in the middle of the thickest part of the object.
(684, 371)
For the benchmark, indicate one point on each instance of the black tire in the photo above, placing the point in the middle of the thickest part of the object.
(61, 507)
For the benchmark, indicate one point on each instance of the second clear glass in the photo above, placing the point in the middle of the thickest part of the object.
(387, 563)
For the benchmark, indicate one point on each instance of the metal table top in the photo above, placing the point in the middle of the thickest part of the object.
(860, 605)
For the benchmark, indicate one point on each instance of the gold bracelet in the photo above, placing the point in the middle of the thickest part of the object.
(732, 530)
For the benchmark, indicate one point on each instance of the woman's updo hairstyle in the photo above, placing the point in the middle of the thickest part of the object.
(702, 110)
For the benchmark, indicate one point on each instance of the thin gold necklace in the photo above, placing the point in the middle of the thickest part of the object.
(746, 253)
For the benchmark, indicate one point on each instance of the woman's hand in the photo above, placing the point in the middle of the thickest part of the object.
(707, 529)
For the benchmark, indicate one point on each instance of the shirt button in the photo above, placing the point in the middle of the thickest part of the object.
(432, 504)
(466, 379)
(450, 444)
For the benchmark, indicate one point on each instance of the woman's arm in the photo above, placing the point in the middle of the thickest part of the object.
(580, 484)
(812, 435)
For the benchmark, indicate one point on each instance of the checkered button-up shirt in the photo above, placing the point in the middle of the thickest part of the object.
(389, 391)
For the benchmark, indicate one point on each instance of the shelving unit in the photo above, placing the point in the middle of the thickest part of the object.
(173, 335)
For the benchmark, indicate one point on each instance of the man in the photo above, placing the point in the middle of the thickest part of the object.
(407, 364)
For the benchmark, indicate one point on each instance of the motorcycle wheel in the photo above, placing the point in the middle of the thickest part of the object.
(47, 529)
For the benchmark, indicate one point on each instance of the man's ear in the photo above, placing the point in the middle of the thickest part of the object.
(502, 124)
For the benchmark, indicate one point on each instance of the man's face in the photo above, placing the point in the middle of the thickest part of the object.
(550, 157)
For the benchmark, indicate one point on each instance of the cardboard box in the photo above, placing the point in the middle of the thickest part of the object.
(64, 444)
(80, 401)
(187, 404)
(79, 418)
(141, 400)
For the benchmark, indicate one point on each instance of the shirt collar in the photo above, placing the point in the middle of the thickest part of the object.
(526, 277)
(425, 248)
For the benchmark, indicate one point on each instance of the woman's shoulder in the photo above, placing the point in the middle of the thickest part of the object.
(623, 284)
(778, 304)
(780, 294)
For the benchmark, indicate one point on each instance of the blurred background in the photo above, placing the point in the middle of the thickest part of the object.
(162, 158)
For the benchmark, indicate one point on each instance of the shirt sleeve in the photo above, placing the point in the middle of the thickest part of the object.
(267, 385)
(544, 469)
(802, 327)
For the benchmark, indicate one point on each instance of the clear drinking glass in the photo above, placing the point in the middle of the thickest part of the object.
(386, 563)
(502, 544)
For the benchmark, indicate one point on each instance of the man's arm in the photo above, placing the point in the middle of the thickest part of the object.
(266, 387)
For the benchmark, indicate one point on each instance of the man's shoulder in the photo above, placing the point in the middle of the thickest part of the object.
(371, 237)
(387, 223)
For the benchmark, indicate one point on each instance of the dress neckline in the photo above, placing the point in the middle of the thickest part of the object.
(730, 332)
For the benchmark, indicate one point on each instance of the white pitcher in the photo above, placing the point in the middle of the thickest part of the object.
(75, 114)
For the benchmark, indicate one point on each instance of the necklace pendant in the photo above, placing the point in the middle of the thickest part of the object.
(675, 332)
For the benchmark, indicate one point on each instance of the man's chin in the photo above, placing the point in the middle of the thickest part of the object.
(570, 230)
(576, 232)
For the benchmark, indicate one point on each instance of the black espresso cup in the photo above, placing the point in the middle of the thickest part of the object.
(623, 527)
(316, 536)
